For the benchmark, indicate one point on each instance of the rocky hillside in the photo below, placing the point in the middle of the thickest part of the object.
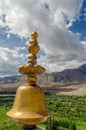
(11, 79)
(67, 76)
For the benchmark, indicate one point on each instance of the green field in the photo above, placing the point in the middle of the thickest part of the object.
(65, 111)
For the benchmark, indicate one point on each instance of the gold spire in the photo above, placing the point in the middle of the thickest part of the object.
(31, 69)
(29, 106)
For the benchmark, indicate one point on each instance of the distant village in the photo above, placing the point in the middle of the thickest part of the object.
(46, 79)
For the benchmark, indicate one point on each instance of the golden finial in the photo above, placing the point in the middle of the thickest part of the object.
(29, 106)
(32, 68)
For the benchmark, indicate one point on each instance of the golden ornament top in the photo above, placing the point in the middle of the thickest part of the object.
(31, 69)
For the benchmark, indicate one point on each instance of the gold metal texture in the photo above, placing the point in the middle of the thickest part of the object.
(29, 68)
(29, 106)
(32, 68)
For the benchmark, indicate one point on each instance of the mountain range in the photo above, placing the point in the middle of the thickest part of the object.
(67, 77)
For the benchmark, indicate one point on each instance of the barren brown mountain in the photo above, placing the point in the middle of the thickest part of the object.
(69, 82)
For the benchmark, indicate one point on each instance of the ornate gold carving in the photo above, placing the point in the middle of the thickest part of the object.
(31, 69)
(29, 106)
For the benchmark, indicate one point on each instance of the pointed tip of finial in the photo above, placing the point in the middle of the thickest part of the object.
(34, 35)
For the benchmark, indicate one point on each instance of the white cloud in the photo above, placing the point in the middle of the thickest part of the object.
(8, 36)
(9, 61)
(62, 48)
(23, 16)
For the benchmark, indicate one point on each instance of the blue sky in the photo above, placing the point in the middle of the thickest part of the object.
(61, 28)
(80, 24)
